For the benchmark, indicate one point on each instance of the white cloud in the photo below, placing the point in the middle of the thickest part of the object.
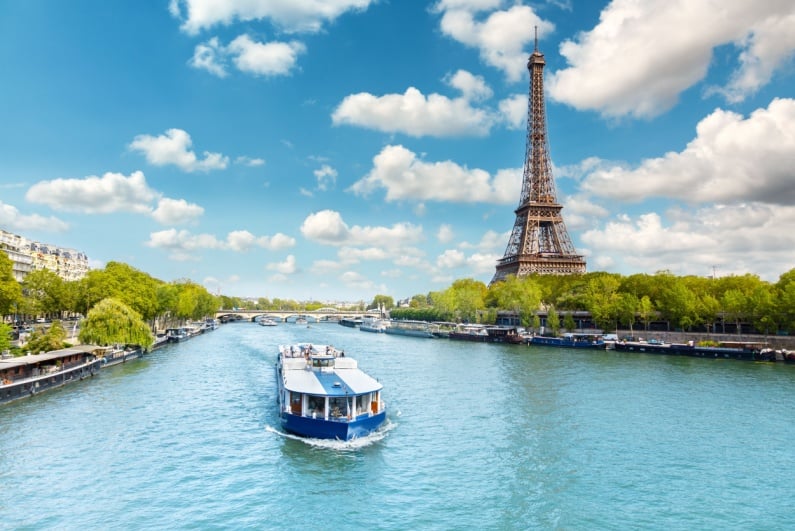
(445, 233)
(482, 263)
(403, 176)
(650, 64)
(731, 158)
(210, 56)
(286, 267)
(490, 241)
(736, 238)
(514, 111)
(290, 15)
(414, 114)
(500, 38)
(472, 87)
(183, 242)
(176, 211)
(174, 148)
(450, 259)
(355, 280)
(326, 177)
(113, 192)
(328, 227)
(249, 161)
(12, 219)
(264, 59)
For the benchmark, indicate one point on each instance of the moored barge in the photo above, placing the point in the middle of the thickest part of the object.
(25, 376)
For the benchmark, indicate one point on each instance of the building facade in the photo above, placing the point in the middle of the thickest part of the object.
(27, 255)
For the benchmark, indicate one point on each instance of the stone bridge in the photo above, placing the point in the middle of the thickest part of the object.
(324, 314)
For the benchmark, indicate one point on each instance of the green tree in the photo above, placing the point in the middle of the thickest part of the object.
(52, 339)
(45, 292)
(111, 322)
(5, 337)
(553, 320)
(382, 301)
(10, 290)
(522, 296)
(568, 322)
(645, 311)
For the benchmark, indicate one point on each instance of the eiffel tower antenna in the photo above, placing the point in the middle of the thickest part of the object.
(539, 241)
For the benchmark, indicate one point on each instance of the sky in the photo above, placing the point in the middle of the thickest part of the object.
(334, 150)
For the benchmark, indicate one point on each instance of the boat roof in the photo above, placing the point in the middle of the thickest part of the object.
(343, 379)
(32, 359)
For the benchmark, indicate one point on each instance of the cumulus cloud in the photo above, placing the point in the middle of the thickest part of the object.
(328, 227)
(286, 267)
(445, 233)
(12, 219)
(113, 192)
(514, 111)
(450, 258)
(651, 65)
(736, 238)
(266, 59)
(174, 147)
(183, 242)
(414, 114)
(176, 211)
(731, 159)
(500, 37)
(404, 176)
(291, 16)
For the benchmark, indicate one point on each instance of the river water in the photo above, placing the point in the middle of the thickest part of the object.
(478, 437)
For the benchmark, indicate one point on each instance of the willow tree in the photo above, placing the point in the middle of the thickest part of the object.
(112, 322)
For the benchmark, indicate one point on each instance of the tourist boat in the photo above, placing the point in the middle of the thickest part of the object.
(374, 324)
(24, 376)
(570, 340)
(267, 322)
(324, 395)
(301, 321)
(409, 328)
(115, 354)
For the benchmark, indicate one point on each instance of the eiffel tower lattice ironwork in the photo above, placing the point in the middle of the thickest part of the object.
(539, 241)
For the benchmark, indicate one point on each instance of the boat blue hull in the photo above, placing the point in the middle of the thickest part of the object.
(565, 343)
(331, 429)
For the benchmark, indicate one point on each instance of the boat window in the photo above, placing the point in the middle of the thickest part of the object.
(317, 405)
(337, 407)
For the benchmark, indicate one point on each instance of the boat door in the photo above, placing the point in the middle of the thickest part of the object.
(295, 403)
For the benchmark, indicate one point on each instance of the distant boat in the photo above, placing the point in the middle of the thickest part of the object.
(267, 322)
(301, 321)
(351, 322)
(487, 334)
(570, 340)
(374, 324)
(114, 354)
(409, 328)
(323, 394)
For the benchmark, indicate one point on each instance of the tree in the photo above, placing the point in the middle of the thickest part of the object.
(522, 296)
(382, 301)
(45, 292)
(111, 322)
(553, 320)
(645, 311)
(5, 337)
(52, 339)
(10, 290)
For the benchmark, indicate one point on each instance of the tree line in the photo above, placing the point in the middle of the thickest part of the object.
(741, 302)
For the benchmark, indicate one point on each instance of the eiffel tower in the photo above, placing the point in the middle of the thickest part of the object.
(539, 242)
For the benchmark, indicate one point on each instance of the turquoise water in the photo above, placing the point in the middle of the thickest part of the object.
(478, 437)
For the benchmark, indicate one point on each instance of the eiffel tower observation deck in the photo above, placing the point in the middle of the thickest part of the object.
(539, 242)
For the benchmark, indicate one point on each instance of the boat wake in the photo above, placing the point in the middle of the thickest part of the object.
(336, 444)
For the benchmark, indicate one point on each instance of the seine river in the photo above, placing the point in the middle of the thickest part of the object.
(478, 437)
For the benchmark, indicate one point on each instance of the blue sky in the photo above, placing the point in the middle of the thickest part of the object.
(339, 149)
